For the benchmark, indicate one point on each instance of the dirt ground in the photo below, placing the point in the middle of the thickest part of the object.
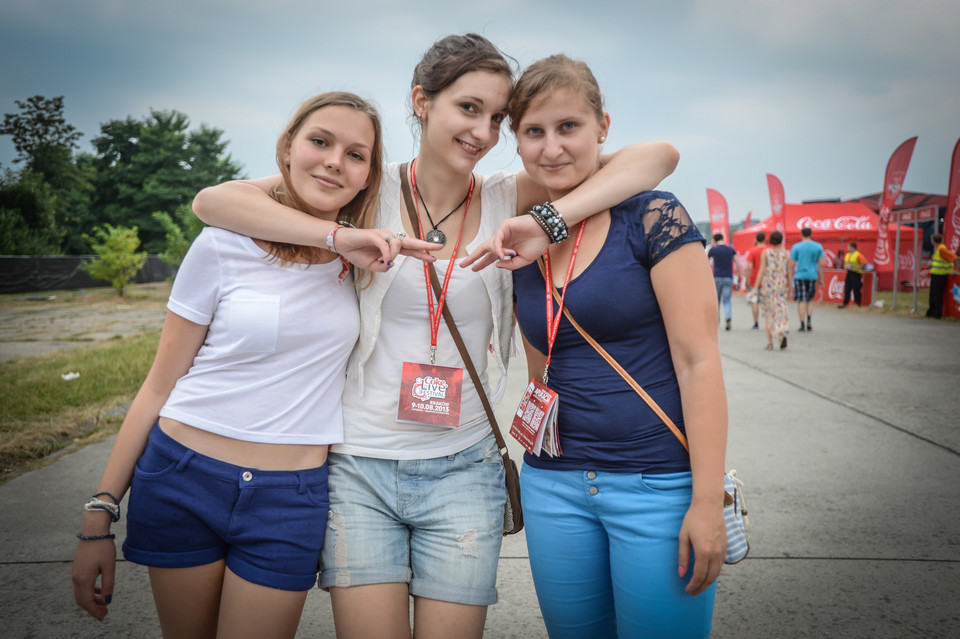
(38, 323)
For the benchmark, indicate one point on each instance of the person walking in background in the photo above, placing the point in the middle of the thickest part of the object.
(853, 263)
(723, 257)
(753, 270)
(941, 265)
(773, 285)
(806, 264)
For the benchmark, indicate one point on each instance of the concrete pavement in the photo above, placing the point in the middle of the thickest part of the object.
(847, 442)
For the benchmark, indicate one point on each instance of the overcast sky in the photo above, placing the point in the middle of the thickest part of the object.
(817, 92)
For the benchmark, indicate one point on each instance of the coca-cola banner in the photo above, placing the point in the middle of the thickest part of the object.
(892, 185)
(951, 300)
(777, 200)
(719, 218)
(746, 221)
(951, 223)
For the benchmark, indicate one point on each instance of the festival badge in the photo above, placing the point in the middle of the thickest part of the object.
(430, 394)
(535, 424)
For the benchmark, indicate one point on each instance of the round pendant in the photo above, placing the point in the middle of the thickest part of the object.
(437, 237)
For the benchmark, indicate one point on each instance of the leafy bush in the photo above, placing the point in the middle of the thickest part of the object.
(118, 260)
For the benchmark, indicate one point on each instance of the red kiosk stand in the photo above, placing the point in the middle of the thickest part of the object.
(833, 282)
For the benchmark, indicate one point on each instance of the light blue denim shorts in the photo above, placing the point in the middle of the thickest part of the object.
(435, 524)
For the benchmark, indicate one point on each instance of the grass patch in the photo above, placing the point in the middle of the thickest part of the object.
(41, 413)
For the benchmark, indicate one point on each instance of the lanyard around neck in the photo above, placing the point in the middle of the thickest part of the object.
(436, 314)
(553, 321)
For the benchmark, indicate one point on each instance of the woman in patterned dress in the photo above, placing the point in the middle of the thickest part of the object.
(773, 284)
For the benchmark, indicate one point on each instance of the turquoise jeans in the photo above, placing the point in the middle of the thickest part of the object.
(603, 551)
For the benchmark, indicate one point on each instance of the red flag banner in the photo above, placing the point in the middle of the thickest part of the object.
(951, 225)
(746, 222)
(719, 220)
(777, 200)
(892, 185)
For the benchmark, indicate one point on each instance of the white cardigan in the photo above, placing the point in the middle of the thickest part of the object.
(499, 202)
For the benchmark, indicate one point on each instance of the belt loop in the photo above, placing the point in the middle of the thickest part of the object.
(184, 461)
(302, 475)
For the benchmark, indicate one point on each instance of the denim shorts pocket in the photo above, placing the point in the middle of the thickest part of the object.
(668, 483)
(483, 452)
(154, 464)
(319, 495)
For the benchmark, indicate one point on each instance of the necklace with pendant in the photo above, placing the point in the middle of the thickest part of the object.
(435, 235)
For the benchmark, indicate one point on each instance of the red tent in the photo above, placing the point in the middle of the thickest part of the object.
(834, 224)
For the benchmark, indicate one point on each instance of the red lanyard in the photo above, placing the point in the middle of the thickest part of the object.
(435, 315)
(553, 321)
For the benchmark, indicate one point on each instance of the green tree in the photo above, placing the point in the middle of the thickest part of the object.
(41, 135)
(118, 260)
(180, 233)
(45, 145)
(27, 219)
(155, 164)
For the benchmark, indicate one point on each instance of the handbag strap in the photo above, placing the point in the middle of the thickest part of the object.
(451, 325)
(617, 367)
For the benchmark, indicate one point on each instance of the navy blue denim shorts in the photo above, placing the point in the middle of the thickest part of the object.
(186, 509)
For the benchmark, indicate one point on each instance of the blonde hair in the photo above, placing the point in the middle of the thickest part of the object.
(549, 74)
(361, 209)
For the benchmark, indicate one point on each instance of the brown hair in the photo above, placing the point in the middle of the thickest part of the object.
(549, 74)
(776, 238)
(455, 55)
(360, 210)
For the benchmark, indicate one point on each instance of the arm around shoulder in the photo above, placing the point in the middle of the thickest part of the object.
(245, 207)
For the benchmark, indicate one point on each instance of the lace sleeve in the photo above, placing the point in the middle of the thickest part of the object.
(667, 226)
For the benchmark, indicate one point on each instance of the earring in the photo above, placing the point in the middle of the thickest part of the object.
(286, 160)
(603, 139)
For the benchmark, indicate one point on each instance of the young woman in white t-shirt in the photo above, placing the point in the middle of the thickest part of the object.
(224, 449)
(416, 508)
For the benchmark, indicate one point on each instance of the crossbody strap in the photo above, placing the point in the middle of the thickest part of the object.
(454, 331)
(617, 367)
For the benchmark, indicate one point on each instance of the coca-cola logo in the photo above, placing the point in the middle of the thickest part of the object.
(882, 254)
(906, 261)
(835, 288)
(842, 223)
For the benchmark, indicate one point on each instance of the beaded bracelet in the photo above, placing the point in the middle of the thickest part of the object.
(106, 506)
(549, 218)
(83, 537)
(330, 238)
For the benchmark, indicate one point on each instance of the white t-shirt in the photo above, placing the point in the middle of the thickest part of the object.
(272, 366)
(395, 328)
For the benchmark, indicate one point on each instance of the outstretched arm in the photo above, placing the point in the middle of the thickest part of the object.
(244, 206)
(631, 170)
(687, 298)
(180, 342)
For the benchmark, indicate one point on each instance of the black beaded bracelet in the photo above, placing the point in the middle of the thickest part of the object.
(552, 222)
(83, 537)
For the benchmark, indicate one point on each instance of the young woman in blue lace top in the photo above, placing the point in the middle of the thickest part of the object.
(625, 528)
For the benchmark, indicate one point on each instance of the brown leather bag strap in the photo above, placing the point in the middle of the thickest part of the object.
(451, 325)
(617, 367)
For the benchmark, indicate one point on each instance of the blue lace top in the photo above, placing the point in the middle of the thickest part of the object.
(603, 424)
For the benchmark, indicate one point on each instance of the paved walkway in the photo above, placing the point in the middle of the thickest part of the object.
(848, 443)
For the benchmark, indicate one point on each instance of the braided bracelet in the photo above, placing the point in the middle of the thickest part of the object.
(83, 537)
(549, 218)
